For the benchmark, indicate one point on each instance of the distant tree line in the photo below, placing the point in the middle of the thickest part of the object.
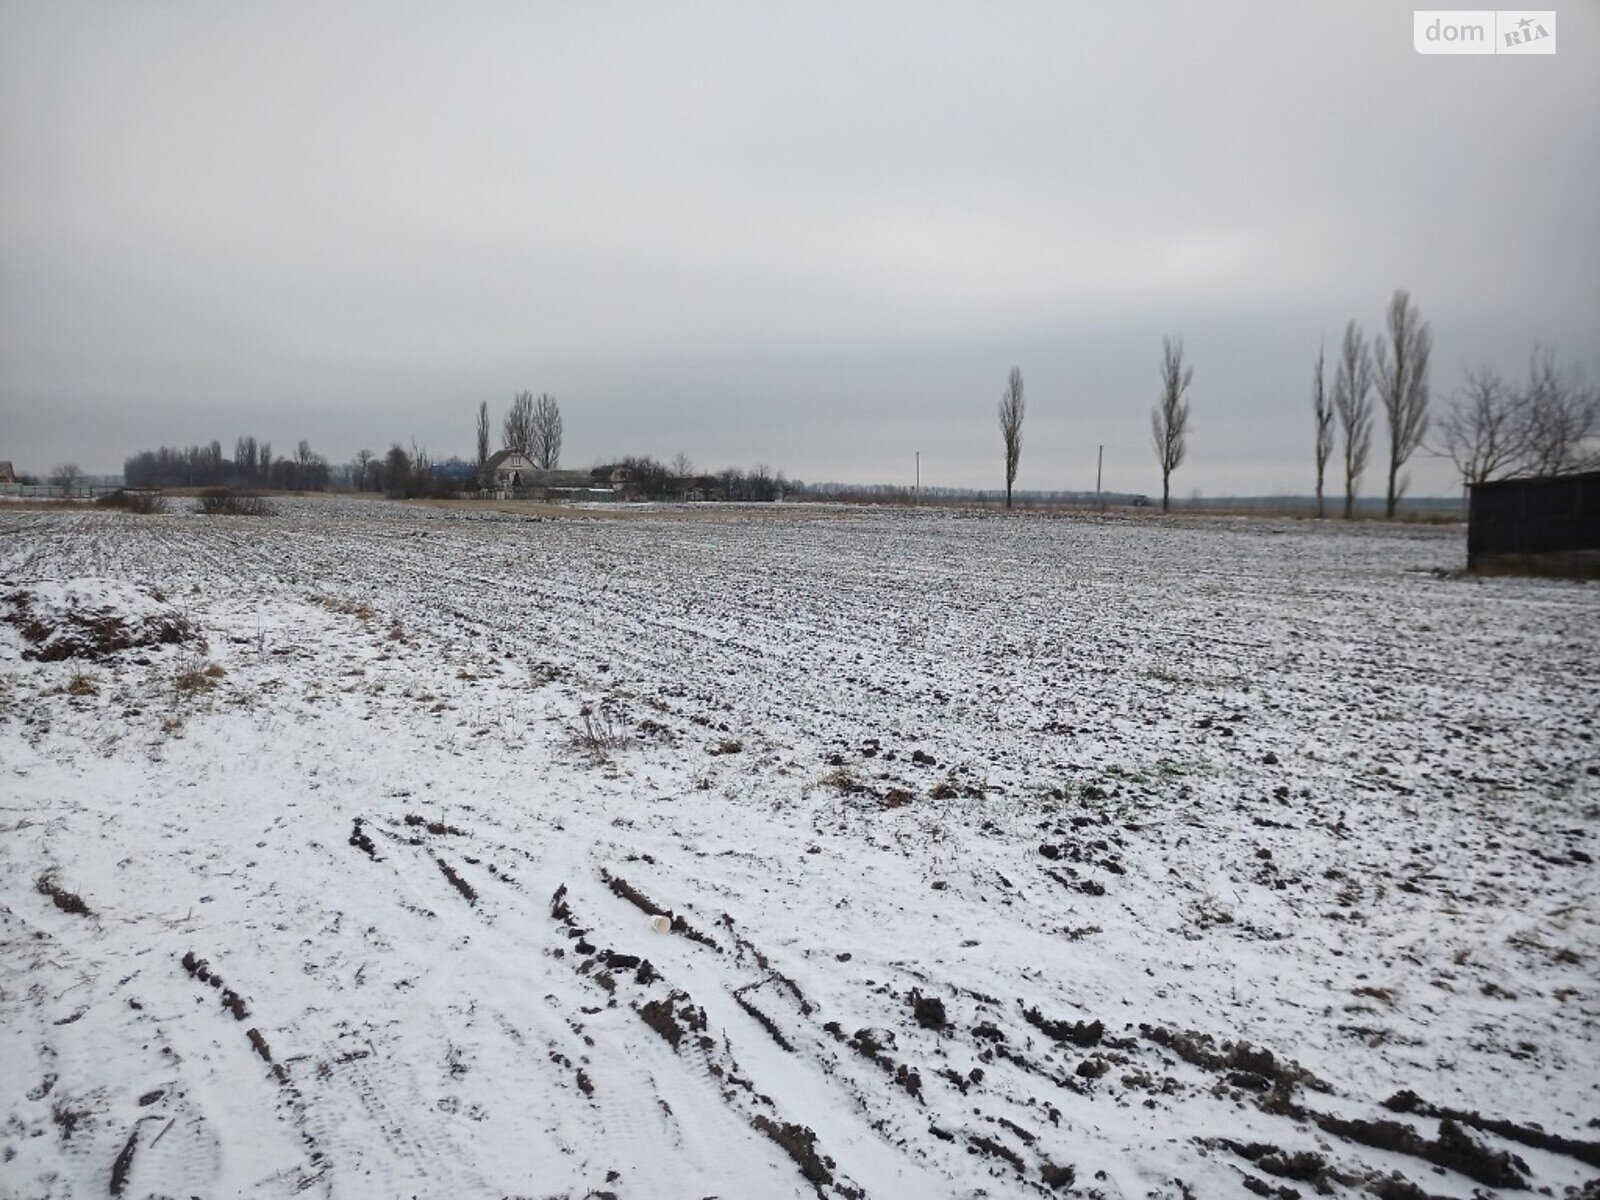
(1492, 429)
(534, 427)
(405, 474)
(645, 478)
(252, 466)
(902, 494)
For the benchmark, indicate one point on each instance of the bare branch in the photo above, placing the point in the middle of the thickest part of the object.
(1560, 417)
(1484, 430)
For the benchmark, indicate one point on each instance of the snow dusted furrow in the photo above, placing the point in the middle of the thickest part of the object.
(994, 857)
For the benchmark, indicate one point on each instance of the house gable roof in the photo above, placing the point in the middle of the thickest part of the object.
(514, 460)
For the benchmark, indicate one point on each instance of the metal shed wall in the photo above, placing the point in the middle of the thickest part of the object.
(1547, 523)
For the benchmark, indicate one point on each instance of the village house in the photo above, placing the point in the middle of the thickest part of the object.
(7, 473)
(555, 482)
(513, 472)
(508, 470)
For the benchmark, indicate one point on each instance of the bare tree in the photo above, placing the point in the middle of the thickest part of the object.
(309, 470)
(1322, 407)
(682, 467)
(66, 476)
(1559, 416)
(397, 470)
(1352, 400)
(516, 431)
(363, 465)
(545, 441)
(209, 460)
(1013, 407)
(762, 485)
(1169, 420)
(244, 457)
(483, 442)
(1402, 373)
(1484, 430)
(421, 470)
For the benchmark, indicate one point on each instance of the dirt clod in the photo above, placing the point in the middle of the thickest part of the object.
(1082, 1034)
(1585, 1152)
(360, 840)
(929, 1011)
(124, 1163)
(979, 1142)
(92, 624)
(460, 884)
(258, 1043)
(1454, 1149)
(800, 1143)
(673, 1017)
(1056, 1177)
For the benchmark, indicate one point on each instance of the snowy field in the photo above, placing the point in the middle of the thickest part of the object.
(996, 857)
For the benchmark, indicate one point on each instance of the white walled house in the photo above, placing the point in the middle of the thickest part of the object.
(509, 469)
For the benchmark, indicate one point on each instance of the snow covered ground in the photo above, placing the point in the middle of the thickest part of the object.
(1002, 857)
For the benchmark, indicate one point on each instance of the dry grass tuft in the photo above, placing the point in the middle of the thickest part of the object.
(359, 609)
(194, 675)
(843, 779)
(143, 502)
(600, 731)
(67, 902)
(83, 683)
(224, 502)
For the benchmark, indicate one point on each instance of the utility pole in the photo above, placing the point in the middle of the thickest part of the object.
(917, 496)
(1098, 468)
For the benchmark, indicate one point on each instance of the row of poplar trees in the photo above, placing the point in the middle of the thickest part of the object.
(1392, 372)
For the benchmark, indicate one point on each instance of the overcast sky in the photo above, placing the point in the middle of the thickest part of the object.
(813, 235)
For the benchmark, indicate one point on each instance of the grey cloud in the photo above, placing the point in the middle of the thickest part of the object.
(816, 236)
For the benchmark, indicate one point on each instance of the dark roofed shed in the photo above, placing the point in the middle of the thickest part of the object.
(1546, 526)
